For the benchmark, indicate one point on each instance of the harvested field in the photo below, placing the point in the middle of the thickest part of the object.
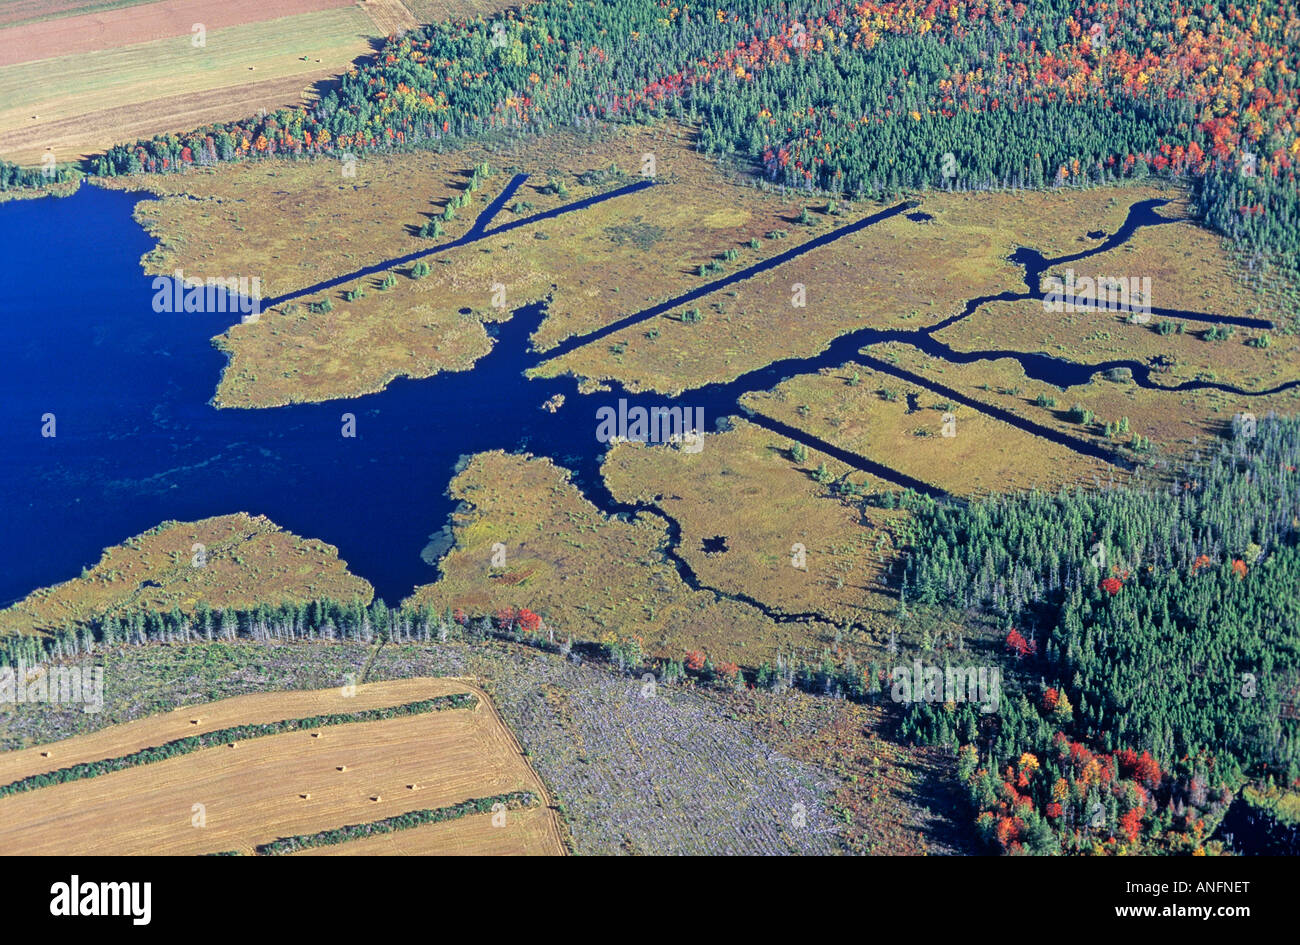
(305, 782)
(72, 34)
(624, 780)
(244, 560)
(528, 832)
(389, 16)
(15, 12)
(77, 135)
(80, 102)
(256, 708)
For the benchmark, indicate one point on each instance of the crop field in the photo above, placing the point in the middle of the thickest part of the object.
(307, 781)
(528, 832)
(74, 86)
(242, 560)
(691, 770)
(17, 12)
(256, 708)
(899, 538)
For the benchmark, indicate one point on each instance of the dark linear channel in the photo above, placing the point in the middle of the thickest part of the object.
(138, 443)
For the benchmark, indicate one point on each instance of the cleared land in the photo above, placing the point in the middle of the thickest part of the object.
(16, 12)
(435, 11)
(78, 85)
(304, 782)
(690, 771)
(389, 16)
(256, 708)
(128, 25)
(245, 560)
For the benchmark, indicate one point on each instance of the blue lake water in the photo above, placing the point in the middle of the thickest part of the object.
(138, 443)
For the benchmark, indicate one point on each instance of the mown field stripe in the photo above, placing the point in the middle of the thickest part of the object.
(190, 744)
(414, 818)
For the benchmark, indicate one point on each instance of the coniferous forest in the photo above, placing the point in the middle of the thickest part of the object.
(864, 99)
(1154, 632)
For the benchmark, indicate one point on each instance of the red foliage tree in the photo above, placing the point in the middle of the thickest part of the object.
(1147, 771)
(1131, 824)
(1018, 645)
